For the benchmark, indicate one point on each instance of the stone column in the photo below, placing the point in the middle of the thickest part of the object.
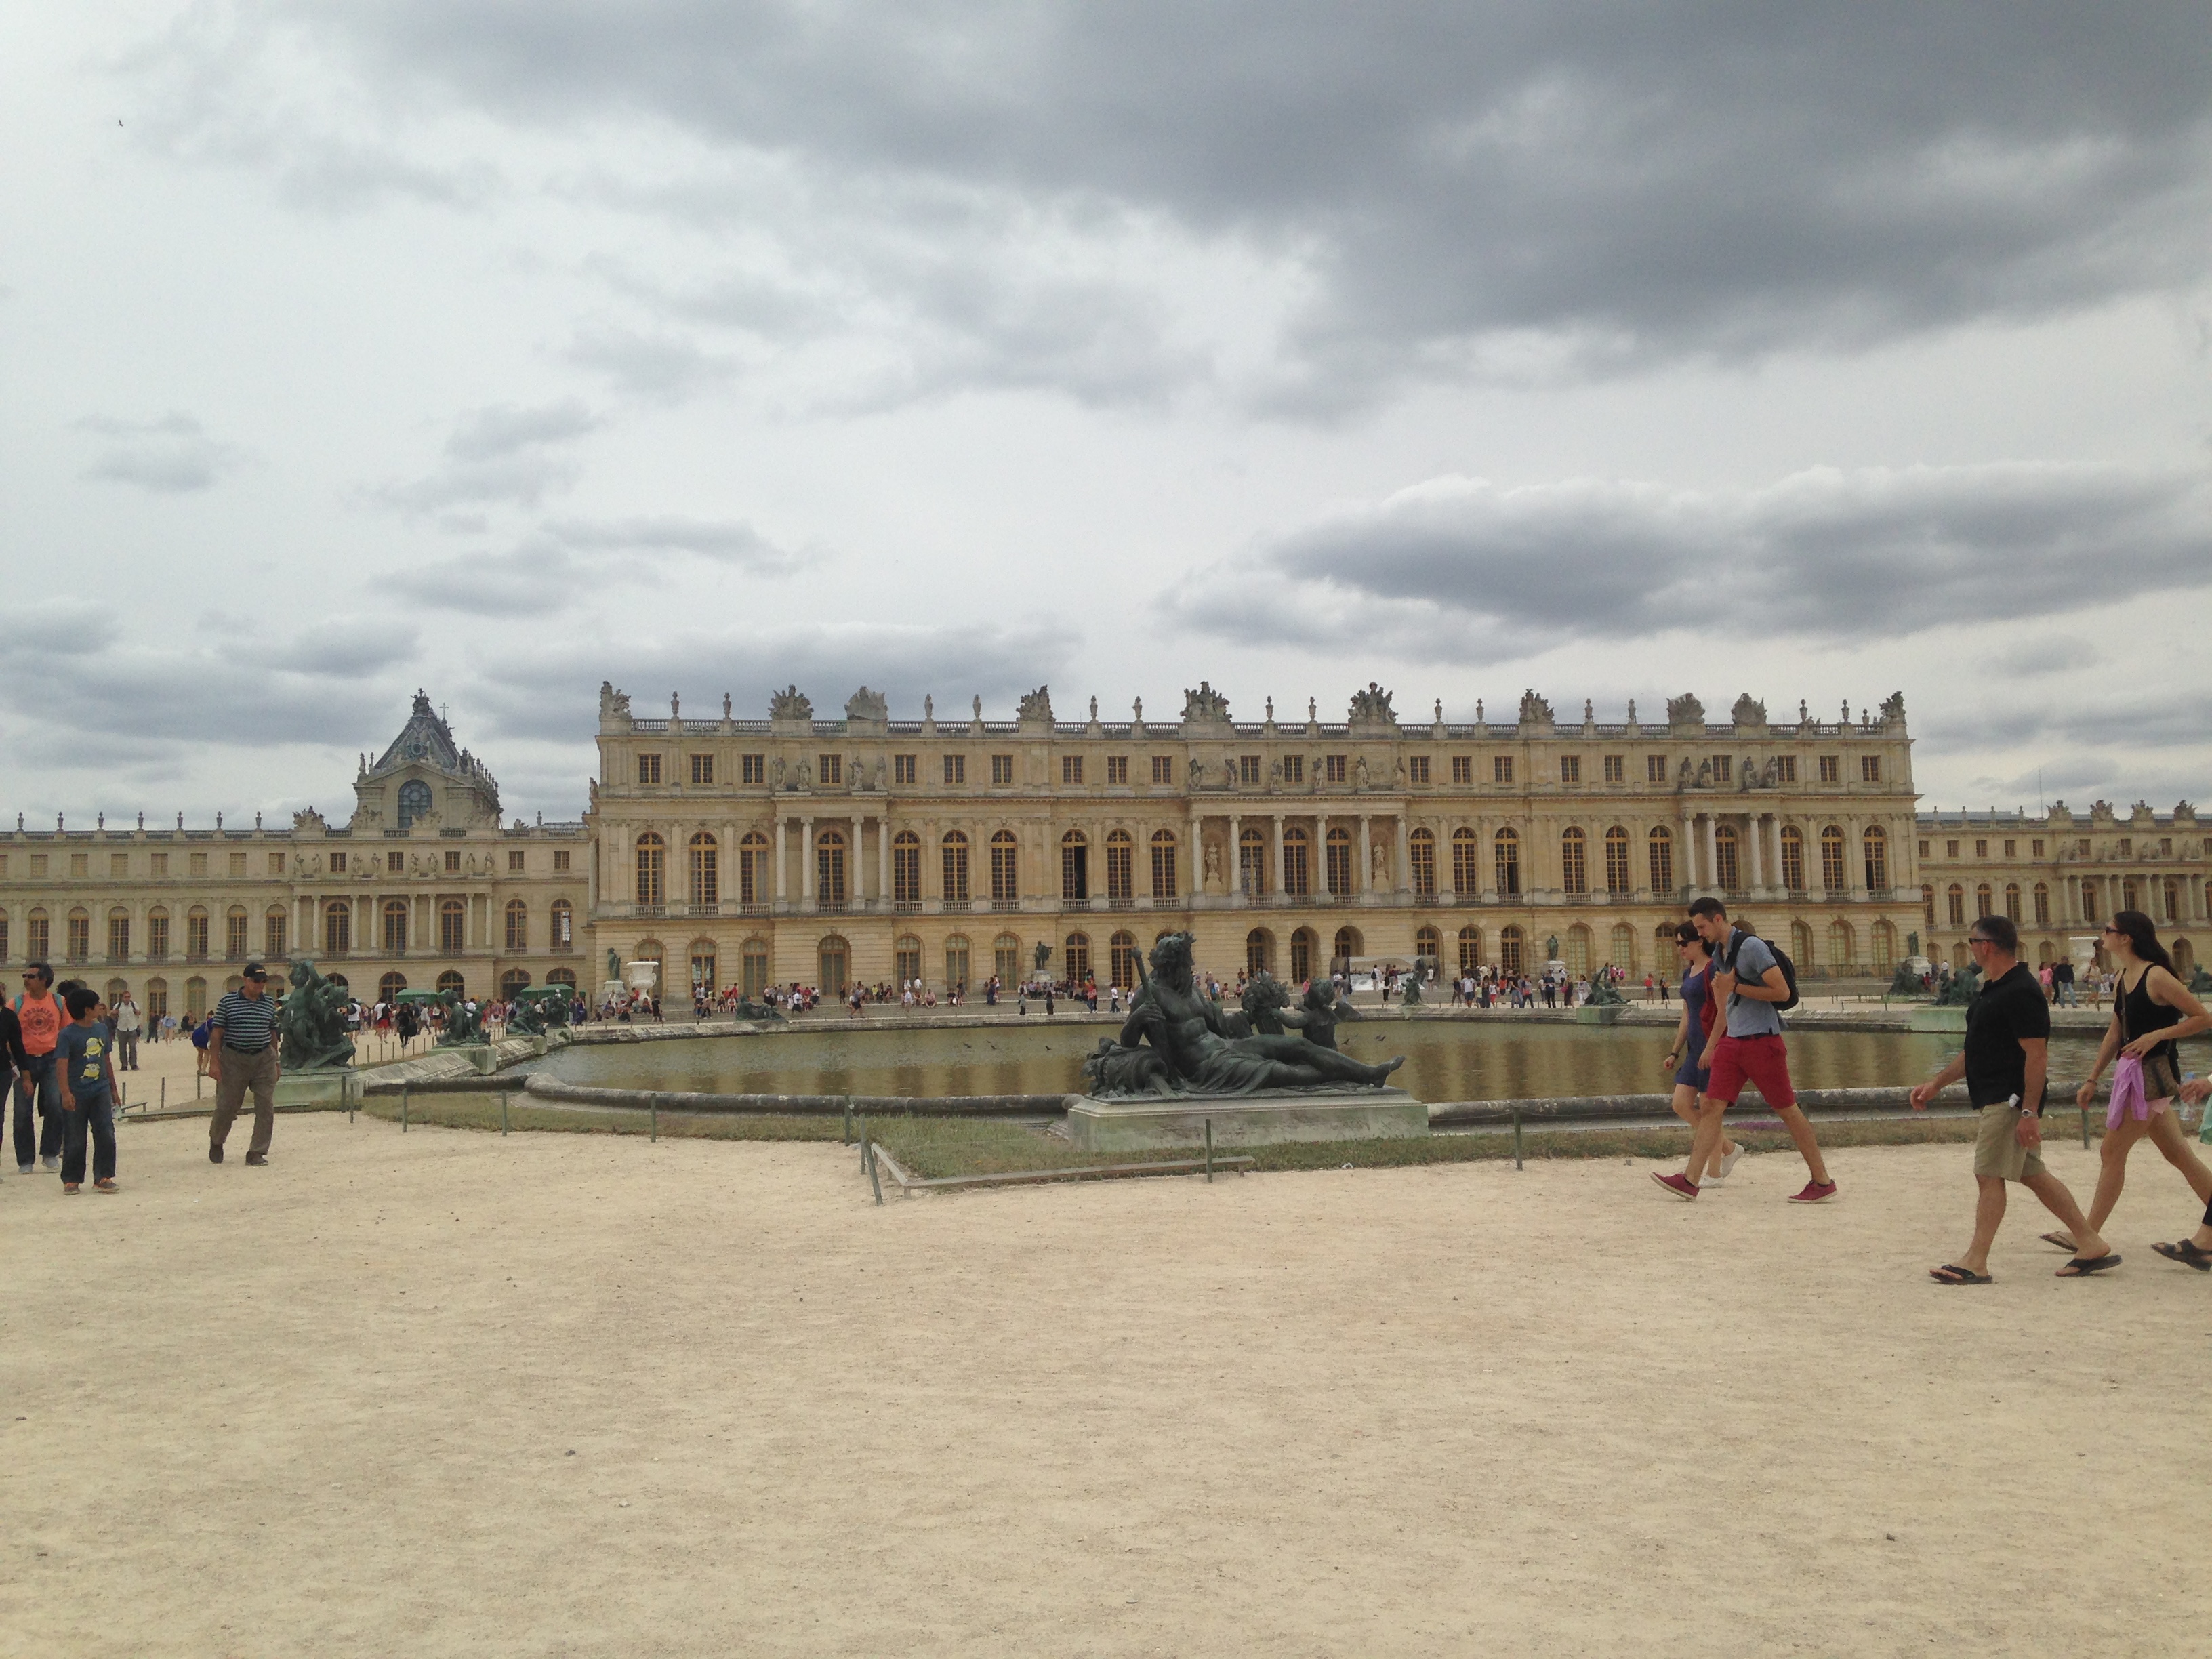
(883, 859)
(806, 862)
(1757, 827)
(1854, 863)
(1405, 852)
(1687, 875)
(1712, 850)
(1236, 860)
(778, 857)
(1282, 884)
(1363, 878)
(1193, 863)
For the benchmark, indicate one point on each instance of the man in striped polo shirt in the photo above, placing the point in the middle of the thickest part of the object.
(242, 1053)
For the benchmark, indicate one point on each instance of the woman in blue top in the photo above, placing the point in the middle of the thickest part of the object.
(1690, 1033)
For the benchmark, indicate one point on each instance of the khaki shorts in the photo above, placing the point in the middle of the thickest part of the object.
(1998, 1155)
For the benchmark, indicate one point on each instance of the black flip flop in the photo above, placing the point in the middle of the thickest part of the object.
(1948, 1273)
(2077, 1268)
(2185, 1252)
(2059, 1240)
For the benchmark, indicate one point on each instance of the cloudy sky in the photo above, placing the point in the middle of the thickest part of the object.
(500, 346)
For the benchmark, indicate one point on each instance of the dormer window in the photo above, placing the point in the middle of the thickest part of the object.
(414, 801)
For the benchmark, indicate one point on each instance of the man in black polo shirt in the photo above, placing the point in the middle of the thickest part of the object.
(242, 1053)
(2007, 1031)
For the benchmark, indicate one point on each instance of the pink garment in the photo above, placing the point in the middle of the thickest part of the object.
(2128, 1098)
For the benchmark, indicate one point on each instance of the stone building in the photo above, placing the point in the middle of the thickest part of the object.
(829, 850)
(2060, 875)
(422, 887)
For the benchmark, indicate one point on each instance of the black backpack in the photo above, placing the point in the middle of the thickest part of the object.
(1781, 960)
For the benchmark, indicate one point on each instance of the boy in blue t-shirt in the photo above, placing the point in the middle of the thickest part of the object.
(88, 1080)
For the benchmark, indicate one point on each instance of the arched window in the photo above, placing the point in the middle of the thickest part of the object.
(119, 937)
(1337, 857)
(1509, 959)
(562, 976)
(195, 998)
(1470, 950)
(906, 959)
(1885, 948)
(2042, 905)
(512, 983)
(906, 875)
(1123, 953)
(1662, 947)
(1304, 944)
(954, 847)
(1121, 868)
(157, 934)
(236, 924)
(1507, 847)
(753, 875)
(756, 965)
(1467, 868)
(338, 929)
(832, 954)
(1574, 867)
(706, 869)
(1075, 959)
(1616, 861)
(1251, 863)
(78, 939)
(651, 853)
(414, 801)
(1074, 868)
(389, 986)
(2185, 960)
(1346, 945)
(1662, 863)
(1928, 902)
(452, 927)
(1428, 942)
(518, 924)
(1832, 859)
(1843, 948)
(451, 979)
(195, 929)
(1958, 907)
(1164, 865)
(2012, 900)
(157, 1001)
(37, 946)
(2130, 898)
(956, 964)
(706, 971)
(829, 874)
(1421, 848)
(2171, 892)
(1259, 951)
(1727, 871)
(395, 927)
(273, 926)
(1984, 901)
(1005, 871)
(562, 920)
(1577, 956)
(1877, 859)
(1297, 868)
(1800, 942)
(1621, 949)
(1007, 959)
(1792, 858)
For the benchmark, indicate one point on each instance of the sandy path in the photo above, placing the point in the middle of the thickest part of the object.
(328, 1408)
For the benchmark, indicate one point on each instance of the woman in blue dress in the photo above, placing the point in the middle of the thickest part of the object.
(1690, 1033)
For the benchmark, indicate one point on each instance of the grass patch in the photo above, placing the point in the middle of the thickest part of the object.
(470, 1111)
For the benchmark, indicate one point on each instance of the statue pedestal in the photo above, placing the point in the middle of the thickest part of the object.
(1157, 1122)
(332, 1087)
(1599, 1013)
(1937, 1019)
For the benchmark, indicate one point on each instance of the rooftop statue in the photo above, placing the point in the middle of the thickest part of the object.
(1534, 711)
(1748, 711)
(312, 1021)
(1685, 710)
(1893, 706)
(1204, 705)
(790, 704)
(1036, 705)
(1175, 1041)
(866, 705)
(1373, 707)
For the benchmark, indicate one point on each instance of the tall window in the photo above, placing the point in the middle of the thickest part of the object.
(1466, 872)
(1163, 768)
(1120, 859)
(755, 963)
(1984, 901)
(1421, 849)
(2171, 891)
(1509, 956)
(272, 936)
(1616, 860)
(1121, 951)
(1303, 945)
(706, 869)
(906, 958)
(904, 768)
(1574, 867)
(752, 867)
(517, 926)
(1470, 950)
(648, 768)
(2089, 905)
(1501, 768)
(1792, 858)
(1251, 863)
(1661, 845)
(703, 769)
(1002, 769)
(235, 927)
(2042, 905)
(1417, 769)
(1007, 959)
(157, 935)
(1338, 861)
(414, 801)
(196, 931)
(753, 769)
(1074, 868)
(1877, 859)
(1571, 768)
(955, 851)
(452, 926)
(1507, 847)
(338, 929)
(1164, 865)
(1333, 767)
(1076, 959)
(829, 870)
(395, 927)
(562, 924)
(1462, 769)
(906, 876)
(1727, 870)
(1832, 859)
(1117, 769)
(1958, 905)
(834, 956)
(955, 963)
(652, 855)
(1620, 951)
(1005, 868)
(78, 940)
(2012, 900)
(830, 770)
(119, 936)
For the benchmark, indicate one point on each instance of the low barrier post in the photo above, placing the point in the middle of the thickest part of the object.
(2085, 1128)
(1516, 1137)
(868, 1157)
(503, 1095)
(864, 1143)
(849, 1120)
(403, 1109)
(1209, 1152)
(656, 1117)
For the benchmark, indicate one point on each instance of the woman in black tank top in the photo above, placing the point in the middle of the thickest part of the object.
(2151, 1009)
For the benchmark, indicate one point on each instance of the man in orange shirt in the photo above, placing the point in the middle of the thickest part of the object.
(42, 1018)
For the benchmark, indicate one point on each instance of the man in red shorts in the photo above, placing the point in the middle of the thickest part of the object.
(1745, 1046)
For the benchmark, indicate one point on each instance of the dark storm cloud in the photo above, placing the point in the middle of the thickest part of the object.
(1462, 569)
(174, 455)
(1617, 182)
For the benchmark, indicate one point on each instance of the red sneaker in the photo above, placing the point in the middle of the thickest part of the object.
(1681, 1185)
(1816, 1192)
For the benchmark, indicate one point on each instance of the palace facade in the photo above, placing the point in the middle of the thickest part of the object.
(420, 887)
(799, 848)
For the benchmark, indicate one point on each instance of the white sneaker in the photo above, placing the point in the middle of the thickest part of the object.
(1727, 1161)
